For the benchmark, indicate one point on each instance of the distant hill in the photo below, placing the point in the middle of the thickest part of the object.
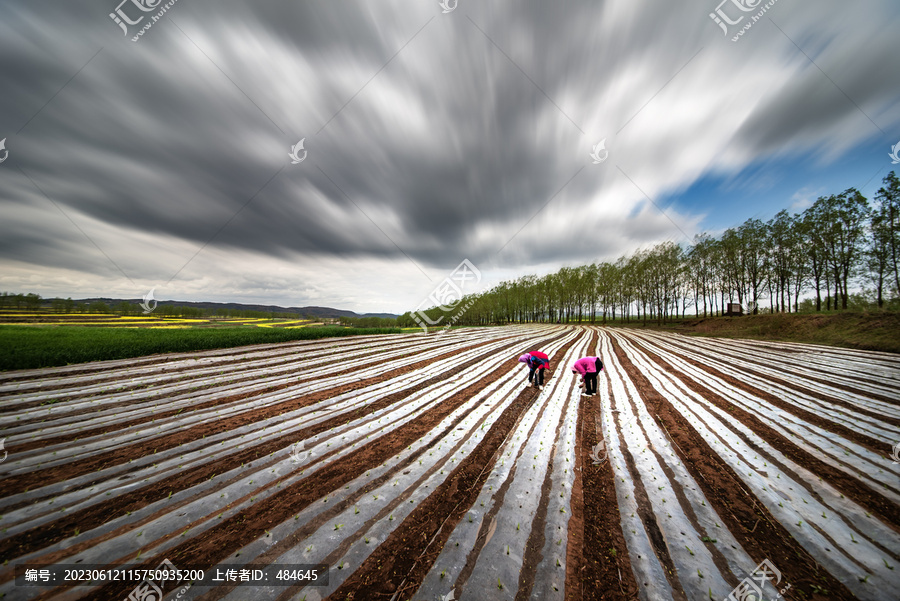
(311, 311)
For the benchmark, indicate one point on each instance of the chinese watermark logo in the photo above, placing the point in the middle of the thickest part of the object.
(149, 590)
(751, 588)
(6, 152)
(895, 153)
(895, 455)
(123, 20)
(600, 447)
(599, 152)
(721, 17)
(295, 152)
(296, 450)
(148, 299)
(447, 296)
(5, 453)
(449, 5)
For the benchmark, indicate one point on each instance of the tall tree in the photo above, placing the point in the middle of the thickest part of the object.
(888, 198)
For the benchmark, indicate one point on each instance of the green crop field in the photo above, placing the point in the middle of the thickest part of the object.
(29, 347)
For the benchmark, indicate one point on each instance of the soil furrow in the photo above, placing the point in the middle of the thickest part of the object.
(813, 393)
(536, 538)
(867, 497)
(644, 505)
(36, 444)
(759, 533)
(298, 536)
(598, 564)
(576, 548)
(94, 516)
(606, 569)
(868, 442)
(410, 551)
(215, 545)
(165, 442)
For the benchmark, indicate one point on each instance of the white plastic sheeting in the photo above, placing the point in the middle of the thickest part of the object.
(852, 545)
(200, 508)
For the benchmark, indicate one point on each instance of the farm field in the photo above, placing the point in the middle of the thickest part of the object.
(151, 321)
(423, 467)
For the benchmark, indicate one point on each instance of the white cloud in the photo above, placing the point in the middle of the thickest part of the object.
(449, 149)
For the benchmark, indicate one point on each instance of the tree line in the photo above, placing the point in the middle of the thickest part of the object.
(841, 243)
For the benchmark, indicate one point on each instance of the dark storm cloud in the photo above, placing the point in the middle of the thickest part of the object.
(442, 135)
(846, 85)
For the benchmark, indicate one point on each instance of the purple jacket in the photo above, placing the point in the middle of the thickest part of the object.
(586, 365)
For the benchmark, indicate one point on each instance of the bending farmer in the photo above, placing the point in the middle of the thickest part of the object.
(589, 368)
(536, 362)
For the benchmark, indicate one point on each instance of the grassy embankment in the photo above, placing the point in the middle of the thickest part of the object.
(875, 331)
(28, 347)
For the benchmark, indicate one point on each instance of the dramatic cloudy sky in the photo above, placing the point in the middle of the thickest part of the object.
(432, 137)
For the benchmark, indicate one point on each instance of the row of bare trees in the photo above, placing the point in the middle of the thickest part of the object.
(839, 244)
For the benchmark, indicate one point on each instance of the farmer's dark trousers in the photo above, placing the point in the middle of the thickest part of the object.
(590, 382)
(538, 379)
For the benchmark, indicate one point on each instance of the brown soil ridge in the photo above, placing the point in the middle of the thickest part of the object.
(575, 533)
(598, 562)
(608, 574)
(121, 455)
(818, 395)
(61, 439)
(873, 501)
(236, 366)
(759, 533)
(401, 562)
(42, 536)
(98, 367)
(644, 505)
(536, 538)
(858, 375)
(215, 545)
(868, 498)
(296, 537)
(870, 443)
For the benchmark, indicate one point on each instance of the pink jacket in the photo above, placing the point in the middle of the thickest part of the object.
(585, 365)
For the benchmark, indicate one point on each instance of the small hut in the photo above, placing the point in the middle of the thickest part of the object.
(733, 309)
